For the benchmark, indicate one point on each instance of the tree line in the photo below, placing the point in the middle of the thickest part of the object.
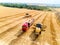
(19, 5)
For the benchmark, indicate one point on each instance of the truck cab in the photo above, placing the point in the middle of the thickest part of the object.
(25, 26)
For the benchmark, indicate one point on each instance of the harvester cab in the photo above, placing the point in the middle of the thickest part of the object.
(38, 28)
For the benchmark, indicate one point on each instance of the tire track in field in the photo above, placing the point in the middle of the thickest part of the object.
(56, 28)
(53, 33)
(44, 19)
(47, 37)
(57, 19)
(36, 42)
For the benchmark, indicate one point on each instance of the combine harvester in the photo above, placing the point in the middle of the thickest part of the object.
(38, 28)
(27, 15)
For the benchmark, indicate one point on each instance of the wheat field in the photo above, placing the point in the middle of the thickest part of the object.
(11, 20)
